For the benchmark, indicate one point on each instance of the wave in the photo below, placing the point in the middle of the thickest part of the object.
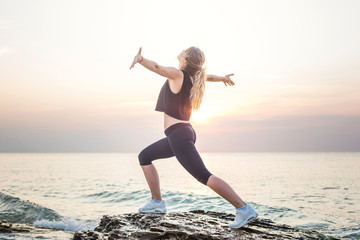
(66, 224)
(13, 209)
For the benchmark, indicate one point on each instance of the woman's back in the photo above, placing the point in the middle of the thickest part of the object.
(176, 105)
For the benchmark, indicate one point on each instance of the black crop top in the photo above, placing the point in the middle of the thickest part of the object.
(176, 105)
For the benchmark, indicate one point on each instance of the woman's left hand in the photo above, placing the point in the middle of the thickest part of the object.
(227, 80)
(137, 59)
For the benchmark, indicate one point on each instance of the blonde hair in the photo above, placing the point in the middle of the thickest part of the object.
(195, 59)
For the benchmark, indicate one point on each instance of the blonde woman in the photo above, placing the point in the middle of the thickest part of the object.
(182, 93)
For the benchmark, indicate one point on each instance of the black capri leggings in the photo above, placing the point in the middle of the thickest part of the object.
(179, 141)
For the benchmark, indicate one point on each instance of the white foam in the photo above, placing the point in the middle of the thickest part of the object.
(67, 224)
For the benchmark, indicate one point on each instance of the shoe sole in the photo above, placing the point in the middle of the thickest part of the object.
(156, 211)
(248, 221)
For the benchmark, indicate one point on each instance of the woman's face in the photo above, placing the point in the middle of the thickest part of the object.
(181, 58)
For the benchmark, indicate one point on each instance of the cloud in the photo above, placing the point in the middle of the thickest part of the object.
(288, 133)
(4, 51)
(132, 133)
(6, 25)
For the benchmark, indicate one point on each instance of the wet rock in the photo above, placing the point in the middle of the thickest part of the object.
(6, 227)
(17, 230)
(192, 225)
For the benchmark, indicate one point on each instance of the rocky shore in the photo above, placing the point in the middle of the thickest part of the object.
(24, 231)
(193, 225)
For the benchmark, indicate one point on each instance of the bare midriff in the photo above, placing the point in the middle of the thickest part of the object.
(168, 121)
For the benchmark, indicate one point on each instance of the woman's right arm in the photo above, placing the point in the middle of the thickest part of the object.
(215, 78)
(168, 72)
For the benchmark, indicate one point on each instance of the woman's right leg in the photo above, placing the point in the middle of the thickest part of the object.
(157, 150)
(153, 181)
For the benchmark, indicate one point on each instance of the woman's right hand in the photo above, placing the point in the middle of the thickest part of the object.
(137, 59)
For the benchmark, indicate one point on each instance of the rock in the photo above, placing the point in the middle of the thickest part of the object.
(6, 227)
(26, 230)
(194, 225)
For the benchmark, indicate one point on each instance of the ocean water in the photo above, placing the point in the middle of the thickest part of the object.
(72, 191)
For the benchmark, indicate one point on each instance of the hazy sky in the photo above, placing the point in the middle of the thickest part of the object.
(65, 83)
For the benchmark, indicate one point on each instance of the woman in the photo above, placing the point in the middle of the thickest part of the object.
(182, 93)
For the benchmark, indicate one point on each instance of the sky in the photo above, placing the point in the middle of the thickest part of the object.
(65, 83)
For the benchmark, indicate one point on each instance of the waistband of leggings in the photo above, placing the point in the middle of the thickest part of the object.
(175, 126)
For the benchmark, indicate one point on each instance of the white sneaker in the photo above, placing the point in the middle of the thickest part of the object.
(153, 207)
(243, 217)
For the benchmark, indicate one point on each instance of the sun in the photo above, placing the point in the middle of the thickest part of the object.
(204, 114)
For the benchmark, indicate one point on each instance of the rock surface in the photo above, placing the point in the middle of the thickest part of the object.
(17, 230)
(193, 225)
(6, 227)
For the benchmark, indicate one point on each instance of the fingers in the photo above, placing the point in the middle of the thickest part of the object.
(133, 64)
(228, 79)
(228, 82)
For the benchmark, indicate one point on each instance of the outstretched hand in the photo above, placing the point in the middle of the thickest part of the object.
(227, 81)
(137, 59)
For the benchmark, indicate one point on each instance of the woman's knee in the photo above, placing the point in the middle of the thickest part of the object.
(144, 159)
(203, 178)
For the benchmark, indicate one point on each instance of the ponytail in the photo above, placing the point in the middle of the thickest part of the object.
(198, 89)
(195, 60)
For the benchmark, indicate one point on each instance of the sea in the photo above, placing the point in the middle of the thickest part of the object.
(72, 191)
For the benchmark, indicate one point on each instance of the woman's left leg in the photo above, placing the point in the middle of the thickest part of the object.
(182, 143)
(224, 190)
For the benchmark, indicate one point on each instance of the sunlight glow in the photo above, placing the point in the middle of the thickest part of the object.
(205, 113)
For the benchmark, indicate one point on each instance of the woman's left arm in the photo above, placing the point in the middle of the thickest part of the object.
(226, 79)
(168, 72)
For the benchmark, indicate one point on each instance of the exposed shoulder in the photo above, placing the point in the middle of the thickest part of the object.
(178, 77)
(176, 84)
